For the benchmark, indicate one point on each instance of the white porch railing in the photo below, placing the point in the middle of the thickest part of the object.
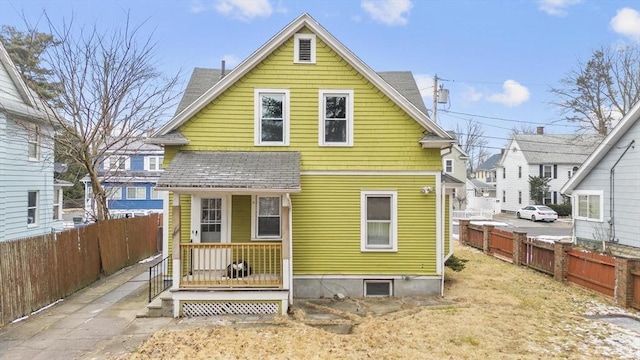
(231, 265)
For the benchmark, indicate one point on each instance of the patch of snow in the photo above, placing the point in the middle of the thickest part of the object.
(37, 311)
(551, 238)
(149, 259)
(489, 223)
(455, 236)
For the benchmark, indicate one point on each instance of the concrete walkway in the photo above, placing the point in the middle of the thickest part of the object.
(97, 322)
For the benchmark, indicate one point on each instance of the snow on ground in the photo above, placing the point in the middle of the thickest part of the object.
(149, 259)
(37, 311)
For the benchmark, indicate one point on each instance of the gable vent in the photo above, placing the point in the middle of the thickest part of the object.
(304, 52)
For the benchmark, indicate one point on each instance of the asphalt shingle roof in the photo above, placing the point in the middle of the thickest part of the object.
(557, 149)
(405, 84)
(490, 163)
(233, 170)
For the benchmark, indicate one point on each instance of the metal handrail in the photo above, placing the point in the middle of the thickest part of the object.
(159, 278)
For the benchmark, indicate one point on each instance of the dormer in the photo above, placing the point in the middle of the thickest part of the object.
(304, 49)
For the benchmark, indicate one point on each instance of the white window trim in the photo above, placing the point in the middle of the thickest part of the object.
(111, 190)
(36, 220)
(135, 187)
(364, 287)
(57, 204)
(254, 219)
(296, 48)
(257, 126)
(147, 163)
(445, 166)
(107, 163)
(544, 171)
(576, 204)
(154, 191)
(393, 246)
(350, 101)
(34, 138)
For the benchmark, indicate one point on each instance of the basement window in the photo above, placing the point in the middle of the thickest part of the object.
(304, 49)
(378, 288)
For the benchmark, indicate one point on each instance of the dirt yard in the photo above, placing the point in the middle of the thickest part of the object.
(499, 311)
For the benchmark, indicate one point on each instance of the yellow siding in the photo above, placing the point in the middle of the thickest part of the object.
(241, 218)
(447, 229)
(227, 123)
(326, 226)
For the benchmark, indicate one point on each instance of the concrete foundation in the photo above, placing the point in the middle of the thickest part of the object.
(327, 286)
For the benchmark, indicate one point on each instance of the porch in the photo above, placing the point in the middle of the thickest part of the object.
(231, 265)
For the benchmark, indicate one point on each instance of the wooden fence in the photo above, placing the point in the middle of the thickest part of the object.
(37, 271)
(617, 277)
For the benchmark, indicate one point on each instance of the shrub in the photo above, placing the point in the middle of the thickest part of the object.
(561, 209)
(455, 263)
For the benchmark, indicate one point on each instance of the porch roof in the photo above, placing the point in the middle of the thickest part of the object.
(232, 170)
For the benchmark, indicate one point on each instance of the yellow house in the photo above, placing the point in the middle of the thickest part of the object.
(302, 173)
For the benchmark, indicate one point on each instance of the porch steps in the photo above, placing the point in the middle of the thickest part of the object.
(161, 306)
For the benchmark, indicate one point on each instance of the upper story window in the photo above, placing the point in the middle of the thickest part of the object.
(379, 221)
(113, 193)
(33, 142)
(504, 173)
(155, 194)
(153, 163)
(271, 117)
(336, 118)
(304, 49)
(448, 165)
(547, 171)
(32, 208)
(519, 172)
(57, 204)
(117, 163)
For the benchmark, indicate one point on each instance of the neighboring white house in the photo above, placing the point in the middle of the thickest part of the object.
(30, 205)
(605, 191)
(554, 156)
(454, 164)
(486, 172)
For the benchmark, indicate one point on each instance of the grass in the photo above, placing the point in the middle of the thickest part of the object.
(501, 312)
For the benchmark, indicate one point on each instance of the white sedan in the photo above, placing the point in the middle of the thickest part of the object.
(537, 212)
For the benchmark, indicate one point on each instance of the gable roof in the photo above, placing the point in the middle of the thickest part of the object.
(31, 106)
(628, 121)
(304, 20)
(490, 163)
(553, 148)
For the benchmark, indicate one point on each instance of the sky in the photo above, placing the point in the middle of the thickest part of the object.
(498, 59)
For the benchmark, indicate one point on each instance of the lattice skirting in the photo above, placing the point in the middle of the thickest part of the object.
(211, 308)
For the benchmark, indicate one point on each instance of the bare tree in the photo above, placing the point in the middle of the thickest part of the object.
(522, 129)
(601, 91)
(111, 92)
(472, 141)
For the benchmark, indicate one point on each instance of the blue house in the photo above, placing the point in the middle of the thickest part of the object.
(30, 203)
(129, 177)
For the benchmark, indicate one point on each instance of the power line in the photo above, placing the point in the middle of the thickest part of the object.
(505, 119)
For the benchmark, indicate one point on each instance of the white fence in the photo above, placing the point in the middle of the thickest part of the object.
(473, 214)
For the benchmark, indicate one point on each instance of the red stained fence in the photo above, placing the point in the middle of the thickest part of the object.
(593, 271)
(501, 243)
(617, 277)
(38, 271)
(475, 236)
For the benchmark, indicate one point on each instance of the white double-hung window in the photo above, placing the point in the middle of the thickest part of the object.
(267, 219)
(379, 221)
(589, 205)
(336, 117)
(271, 117)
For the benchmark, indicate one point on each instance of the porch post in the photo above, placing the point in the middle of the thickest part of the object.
(286, 241)
(175, 239)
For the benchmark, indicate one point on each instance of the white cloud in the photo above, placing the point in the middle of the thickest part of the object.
(230, 61)
(390, 12)
(244, 10)
(197, 6)
(513, 94)
(470, 94)
(627, 23)
(556, 7)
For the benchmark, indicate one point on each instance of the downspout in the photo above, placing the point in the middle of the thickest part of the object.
(290, 275)
(612, 223)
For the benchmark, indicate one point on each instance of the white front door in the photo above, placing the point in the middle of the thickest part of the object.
(209, 225)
